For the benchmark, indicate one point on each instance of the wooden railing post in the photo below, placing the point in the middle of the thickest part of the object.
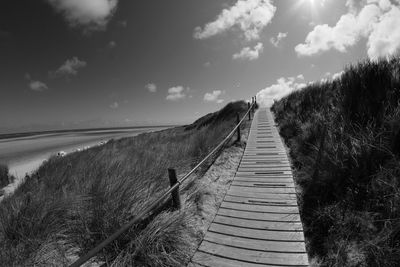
(238, 129)
(176, 201)
(248, 108)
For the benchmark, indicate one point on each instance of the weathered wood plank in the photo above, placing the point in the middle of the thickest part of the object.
(259, 208)
(261, 225)
(260, 216)
(265, 245)
(286, 259)
(256, 233)
(255, 201)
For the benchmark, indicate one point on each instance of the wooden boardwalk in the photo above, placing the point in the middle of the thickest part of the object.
(258, 222)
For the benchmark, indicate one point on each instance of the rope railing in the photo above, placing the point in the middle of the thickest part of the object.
(173, 190)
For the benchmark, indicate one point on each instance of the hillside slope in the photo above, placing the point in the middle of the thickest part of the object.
(344, 140)
(76, 201)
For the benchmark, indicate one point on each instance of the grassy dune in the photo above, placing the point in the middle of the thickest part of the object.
(344, 140)
(76, 201)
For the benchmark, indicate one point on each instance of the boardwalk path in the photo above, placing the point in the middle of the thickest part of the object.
(258, 223)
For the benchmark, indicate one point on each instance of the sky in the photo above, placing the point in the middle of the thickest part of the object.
(106, 63)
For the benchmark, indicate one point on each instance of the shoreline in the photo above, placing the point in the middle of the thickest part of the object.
(24, 165)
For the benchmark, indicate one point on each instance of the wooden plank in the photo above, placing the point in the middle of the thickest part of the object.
(264, 179)
(260, 208)
(286, 259)
(255, 233)
(262, 184)
(264, 245)
(261, 225)
(254, 200)
(284, 177)
(260, 216)
(262, 195)
(208, 260)
(264, 168)
(262, 189)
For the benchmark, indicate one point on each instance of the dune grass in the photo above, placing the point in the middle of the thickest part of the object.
(76, 201)
(344, 140)
(5, 177)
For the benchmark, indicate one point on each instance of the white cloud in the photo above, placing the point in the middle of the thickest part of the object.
(385, 38)
(38, 86)
(249, 53)
(151, 87)
(276, 40)
(214, 96)
(300, 77)
(114, 105)
(249, 16)
(177, 93)
(70, 67)
(90, 14)
(375, 20)
(281, 88)
(337, 75)
(324, 37)
(207, 64)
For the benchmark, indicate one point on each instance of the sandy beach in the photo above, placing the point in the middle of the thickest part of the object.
(23, 155)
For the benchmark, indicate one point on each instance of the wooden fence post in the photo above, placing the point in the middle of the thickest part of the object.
(238, 129)
(248, 109)
(176, 201)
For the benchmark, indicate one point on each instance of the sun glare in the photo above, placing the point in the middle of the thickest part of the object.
(308, 8)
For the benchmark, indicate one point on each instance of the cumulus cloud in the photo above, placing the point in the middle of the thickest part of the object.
(114, 105)
(92, 15)
(214, 96)
(281, 88)
(385, 38)
(375, 20)
(249, 53)
(324, 37)
(248, 16)
(34, 85)
(69, 68)
(276, 40)
(151, 87)
(300, 77)
(337, 75)
(37, 86)
(177, 93)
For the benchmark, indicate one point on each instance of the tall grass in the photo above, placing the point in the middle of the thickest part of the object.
(344, 140)
(5, 177)
(74, 202)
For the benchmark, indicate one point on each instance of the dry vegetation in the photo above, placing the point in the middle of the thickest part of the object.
(5, 177)
(344, 140)
(76, 201)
